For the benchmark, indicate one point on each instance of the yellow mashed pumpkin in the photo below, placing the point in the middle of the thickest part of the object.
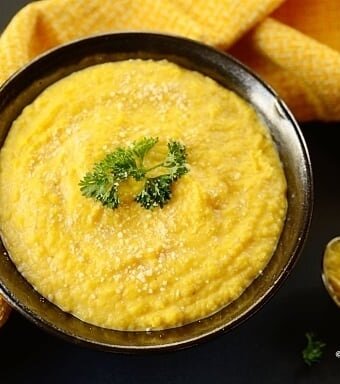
(332, 266)
(131, 268)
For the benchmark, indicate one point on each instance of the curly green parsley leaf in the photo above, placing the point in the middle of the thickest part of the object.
(156, 192)
(313, 350)
(103, 182)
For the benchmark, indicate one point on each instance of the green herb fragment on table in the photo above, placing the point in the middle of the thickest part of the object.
(103, 182)
(313, 350)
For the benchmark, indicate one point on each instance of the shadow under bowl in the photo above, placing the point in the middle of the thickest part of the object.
(27, 84)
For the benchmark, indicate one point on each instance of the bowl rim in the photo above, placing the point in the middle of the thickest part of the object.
(282, 275)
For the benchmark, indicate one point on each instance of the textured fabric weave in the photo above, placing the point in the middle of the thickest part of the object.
(4, 311)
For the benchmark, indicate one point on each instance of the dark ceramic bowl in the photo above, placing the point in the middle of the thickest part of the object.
(28, 83)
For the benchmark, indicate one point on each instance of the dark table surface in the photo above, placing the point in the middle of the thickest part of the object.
(265, 349)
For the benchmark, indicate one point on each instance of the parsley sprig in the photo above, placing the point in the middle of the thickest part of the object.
(313, 350)
(103, 182)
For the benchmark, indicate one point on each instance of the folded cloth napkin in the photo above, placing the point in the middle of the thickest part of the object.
(296, 49)
(4, 311)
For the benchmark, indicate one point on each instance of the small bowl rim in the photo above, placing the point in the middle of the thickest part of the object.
(326, 283)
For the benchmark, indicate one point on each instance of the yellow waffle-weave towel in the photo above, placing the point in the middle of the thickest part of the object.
(293, 44)
(4, 311)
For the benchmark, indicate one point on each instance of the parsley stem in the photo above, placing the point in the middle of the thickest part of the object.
(154, 167)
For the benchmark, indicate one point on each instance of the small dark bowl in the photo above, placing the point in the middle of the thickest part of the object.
(28, 83)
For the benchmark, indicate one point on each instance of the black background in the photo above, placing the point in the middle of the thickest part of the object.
(266, 349)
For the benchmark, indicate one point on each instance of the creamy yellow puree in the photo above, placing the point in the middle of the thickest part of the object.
(130, 268)
(332, 266)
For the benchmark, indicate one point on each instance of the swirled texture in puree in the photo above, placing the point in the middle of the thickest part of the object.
(131, 268)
